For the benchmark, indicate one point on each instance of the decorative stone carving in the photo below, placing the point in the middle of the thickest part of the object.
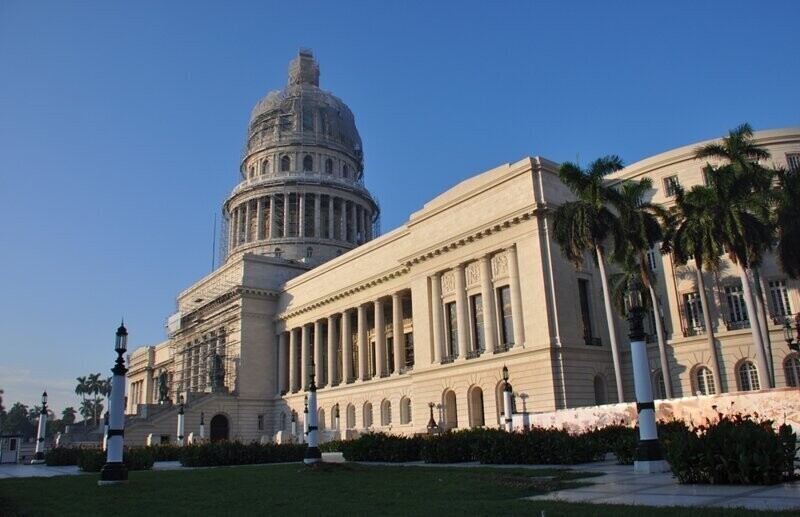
(448, 282)
(473, 274)
(500, 264)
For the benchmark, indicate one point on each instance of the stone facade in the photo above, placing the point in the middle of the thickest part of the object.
(429, 312)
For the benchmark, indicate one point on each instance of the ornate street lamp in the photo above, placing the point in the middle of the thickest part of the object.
(649, 457)
(432, 427)
(507, 392)
(313, 454)
(792, 341)
(181, 421)
(41, 431)
(114, 470)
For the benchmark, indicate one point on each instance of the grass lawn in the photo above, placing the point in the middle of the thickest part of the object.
(293, 489)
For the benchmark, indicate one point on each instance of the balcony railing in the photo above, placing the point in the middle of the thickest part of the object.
(406, 369)
(472, 354)
(448, 359)
(694, 331)
(737, 325)
(502, 347)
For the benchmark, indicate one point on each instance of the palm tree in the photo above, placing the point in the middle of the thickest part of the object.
(642, 228)
(788, 221)
(742, 189)
(694, 236)
(95, 384)
(585, 224)
(82, 389)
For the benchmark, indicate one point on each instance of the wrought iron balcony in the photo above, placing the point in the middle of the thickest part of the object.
(502, 347)
(448, 359)
(472, 354)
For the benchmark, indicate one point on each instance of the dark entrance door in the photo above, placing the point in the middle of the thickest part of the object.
(219, 428)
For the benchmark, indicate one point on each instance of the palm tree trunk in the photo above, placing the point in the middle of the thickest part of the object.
(662, 343)
(712, 345)
(758, 296)
(612, 330)
(758, 344)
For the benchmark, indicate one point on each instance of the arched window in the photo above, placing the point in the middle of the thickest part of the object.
(367, 414)
(450, 409)
(386, 413)
(704, 381)
(600, 397)
(476, 418)
(748, 377)
(405, 410)
(308, 163)
(321, 419)
(328, 166)
(345, 170)
(351, 416)
(265, 167)
(791, 367)
(659, 388)
(286, 164)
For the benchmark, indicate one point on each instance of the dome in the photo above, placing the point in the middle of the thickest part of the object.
(302, 113)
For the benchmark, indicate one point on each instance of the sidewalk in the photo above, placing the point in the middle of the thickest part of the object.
(617, 485)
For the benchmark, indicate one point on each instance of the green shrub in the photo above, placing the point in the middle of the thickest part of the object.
(165, 452)
(331, 446)
(61, 456)
(736, 449)
(382, 447)
(539, 446)
(135, 458)
(91, 460)
(236, 453)
(456, 446)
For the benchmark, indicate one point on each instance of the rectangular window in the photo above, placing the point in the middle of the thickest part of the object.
(260, 422)
(671, 185)
(737, 311)
(583, 295)
(693, 308)
(793, 161)
(372, 359)
(409, 349)
(476, 307)
(651, 259)
(779, 297)
(452, 329)
(390, 353)
(507, 327)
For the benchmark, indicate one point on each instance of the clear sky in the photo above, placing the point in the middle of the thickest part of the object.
(121, 125)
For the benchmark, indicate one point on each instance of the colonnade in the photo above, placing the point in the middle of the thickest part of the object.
(299, 214)
(348, 346)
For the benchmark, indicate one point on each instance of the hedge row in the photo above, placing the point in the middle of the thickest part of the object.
(236, 453)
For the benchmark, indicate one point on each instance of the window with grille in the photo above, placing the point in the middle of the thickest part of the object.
(651, 258)
(748, 377)
(671, 185)
(779, 297)
(452, 329)
(476, 306)
(737, 311)
(659, 386)
(793, 161)
(694, 311)
(506, 317)
(705, 381)
(791, 367)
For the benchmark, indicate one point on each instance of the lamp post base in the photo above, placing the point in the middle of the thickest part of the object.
(650, 466)
(113, 474)
(313, 455)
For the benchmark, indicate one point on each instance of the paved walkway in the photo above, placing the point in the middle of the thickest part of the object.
(617, 485)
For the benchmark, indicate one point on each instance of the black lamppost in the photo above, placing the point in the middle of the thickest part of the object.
(181, 421)
(294, 424)
(336, 416)
(202, 425)
(114, 470)
(507, 392)
(305, 418)
(105, 432)
(432, 427)
(792, 341)
(649, 456)
(313, 454)
(41, 431)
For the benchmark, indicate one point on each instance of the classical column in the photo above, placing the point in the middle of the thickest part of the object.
(461, 312)
(380, 339)
(332, 359)
(330, 217)
(283, 363)
(487, 299)
(516, 297)
(247, 216)
(343, 221)
(397, 332)
(293, 384)
(305, 359)
(234, 227)
(260, 219)
(362, 342)
(347, 347)
(273, 232)
(319, 347)
(286, 205)
(368, 223)
(317, 207)
(301, 214)
(436, 316)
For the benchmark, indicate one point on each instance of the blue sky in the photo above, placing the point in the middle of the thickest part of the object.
(121, 125)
